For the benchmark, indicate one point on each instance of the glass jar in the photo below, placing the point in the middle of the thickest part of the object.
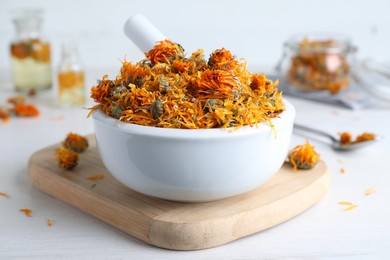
(71, 78)
(30, 53)
(317, 62)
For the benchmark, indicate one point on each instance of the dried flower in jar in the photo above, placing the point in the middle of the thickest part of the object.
(319, 65)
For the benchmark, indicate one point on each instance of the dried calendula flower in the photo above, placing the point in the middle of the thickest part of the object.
(303, 156)
(26, 110)
(66, 158)
(170, 90)
(76, 142)
(157, 108)
(346, 138)
(165, 52)
(222, 59)
(365, 137)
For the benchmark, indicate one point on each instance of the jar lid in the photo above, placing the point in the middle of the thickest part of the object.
(319, 43)
(20, 15)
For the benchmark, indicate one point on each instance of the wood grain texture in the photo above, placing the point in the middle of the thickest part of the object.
(174, 225)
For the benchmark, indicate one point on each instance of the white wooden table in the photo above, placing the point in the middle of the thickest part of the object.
(324, 231)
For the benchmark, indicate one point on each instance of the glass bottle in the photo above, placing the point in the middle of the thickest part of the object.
(317, 62)
(30, 53)
(71, 78)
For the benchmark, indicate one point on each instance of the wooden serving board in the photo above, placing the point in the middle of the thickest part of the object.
(174, 225)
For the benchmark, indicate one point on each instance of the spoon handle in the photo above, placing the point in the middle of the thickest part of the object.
(315, 131)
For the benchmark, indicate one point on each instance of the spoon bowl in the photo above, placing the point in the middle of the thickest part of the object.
(335, 142)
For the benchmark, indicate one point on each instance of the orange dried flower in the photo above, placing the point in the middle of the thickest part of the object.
(171, 91)
(25, 110)
(66, 158)
(165, 52)
(76, 142)
(222, 59)
(215, 84)
(258, 81)
(303, 156)
(345, 138)
(183, 66)
(365, 137)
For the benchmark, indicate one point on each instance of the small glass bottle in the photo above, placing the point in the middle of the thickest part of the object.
(30, 53)
(71, 77)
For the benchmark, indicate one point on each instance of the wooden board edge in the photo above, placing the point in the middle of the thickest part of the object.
(216, 232)
(125, 220)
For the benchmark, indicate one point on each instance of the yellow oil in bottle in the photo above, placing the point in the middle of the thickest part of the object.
(30, 53)
(71, 78)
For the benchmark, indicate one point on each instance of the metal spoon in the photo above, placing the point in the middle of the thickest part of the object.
(336, 144)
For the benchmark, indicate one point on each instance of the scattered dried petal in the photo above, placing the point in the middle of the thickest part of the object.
(96, 177)
(50, 222)
(350, 205)
(345, 203)
(5, 195)
(4, 114)
(370, 191)
(26, 212)
(350, 208)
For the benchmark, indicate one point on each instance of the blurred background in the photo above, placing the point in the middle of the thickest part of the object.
(254, 30)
